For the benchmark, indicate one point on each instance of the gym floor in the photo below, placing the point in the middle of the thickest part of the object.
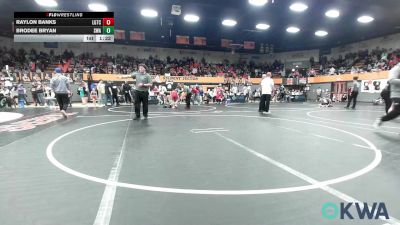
(212, 165)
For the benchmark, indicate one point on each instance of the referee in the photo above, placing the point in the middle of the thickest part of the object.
(143, 83)
(267, 86)
(354, 93)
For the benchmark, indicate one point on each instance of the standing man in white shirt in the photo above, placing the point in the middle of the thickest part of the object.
(267, 86)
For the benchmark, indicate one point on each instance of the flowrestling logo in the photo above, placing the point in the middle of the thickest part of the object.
(31, 123)
(355, 210)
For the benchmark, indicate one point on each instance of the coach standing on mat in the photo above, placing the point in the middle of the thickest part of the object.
(61, 87)
(267, 86)
(143, 83)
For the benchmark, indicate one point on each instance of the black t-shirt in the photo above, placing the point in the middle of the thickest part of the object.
(114, 89)
(107, 87)
(126, 88)
(39, 89)
(33, 89)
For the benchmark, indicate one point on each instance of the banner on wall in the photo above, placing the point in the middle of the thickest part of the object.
(303, 80)
(183, 79)
(311, 80)
(226, 43)
(249, 45)
(162, 79)
(137, 36)
(119, 34)
(373, 86)
(289, 81)
(201, 41)
(182, 40)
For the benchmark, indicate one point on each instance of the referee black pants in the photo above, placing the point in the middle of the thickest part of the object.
(63, 101)
(264, 103)
(188, 97)
(352, 97)
(141, 97)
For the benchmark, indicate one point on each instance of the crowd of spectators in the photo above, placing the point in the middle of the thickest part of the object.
(37, 62)
(175, 67)
(379, 59)
(25, 62)
(32, 61)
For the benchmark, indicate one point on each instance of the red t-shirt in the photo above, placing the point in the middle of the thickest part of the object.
(174, 95)
(219, 94)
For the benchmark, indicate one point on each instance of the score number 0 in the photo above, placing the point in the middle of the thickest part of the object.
(108, 21)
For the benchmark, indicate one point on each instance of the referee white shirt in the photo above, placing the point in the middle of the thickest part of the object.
(267, 85)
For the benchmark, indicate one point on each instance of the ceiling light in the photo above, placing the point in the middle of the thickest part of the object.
(365, 19)
(98, 7)
(47, 3)
(293, 29)
(262, 26)
(258, 2)
(191, 18)
(229, 22)
(298, 7)
(149, 13)
(321, 33)
(332, 13)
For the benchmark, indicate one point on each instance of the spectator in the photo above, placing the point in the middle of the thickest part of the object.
(319, 93)
(332, 71)
(93, 96)
(126, 89)
(101, 90)
(34, 94)
(40, 93)
(114, 92)
(108, 93)
(21, 95)
(6, 93)
(14, 96)
(83, 92)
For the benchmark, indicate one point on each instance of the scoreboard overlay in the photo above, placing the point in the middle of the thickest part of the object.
(63, 27)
